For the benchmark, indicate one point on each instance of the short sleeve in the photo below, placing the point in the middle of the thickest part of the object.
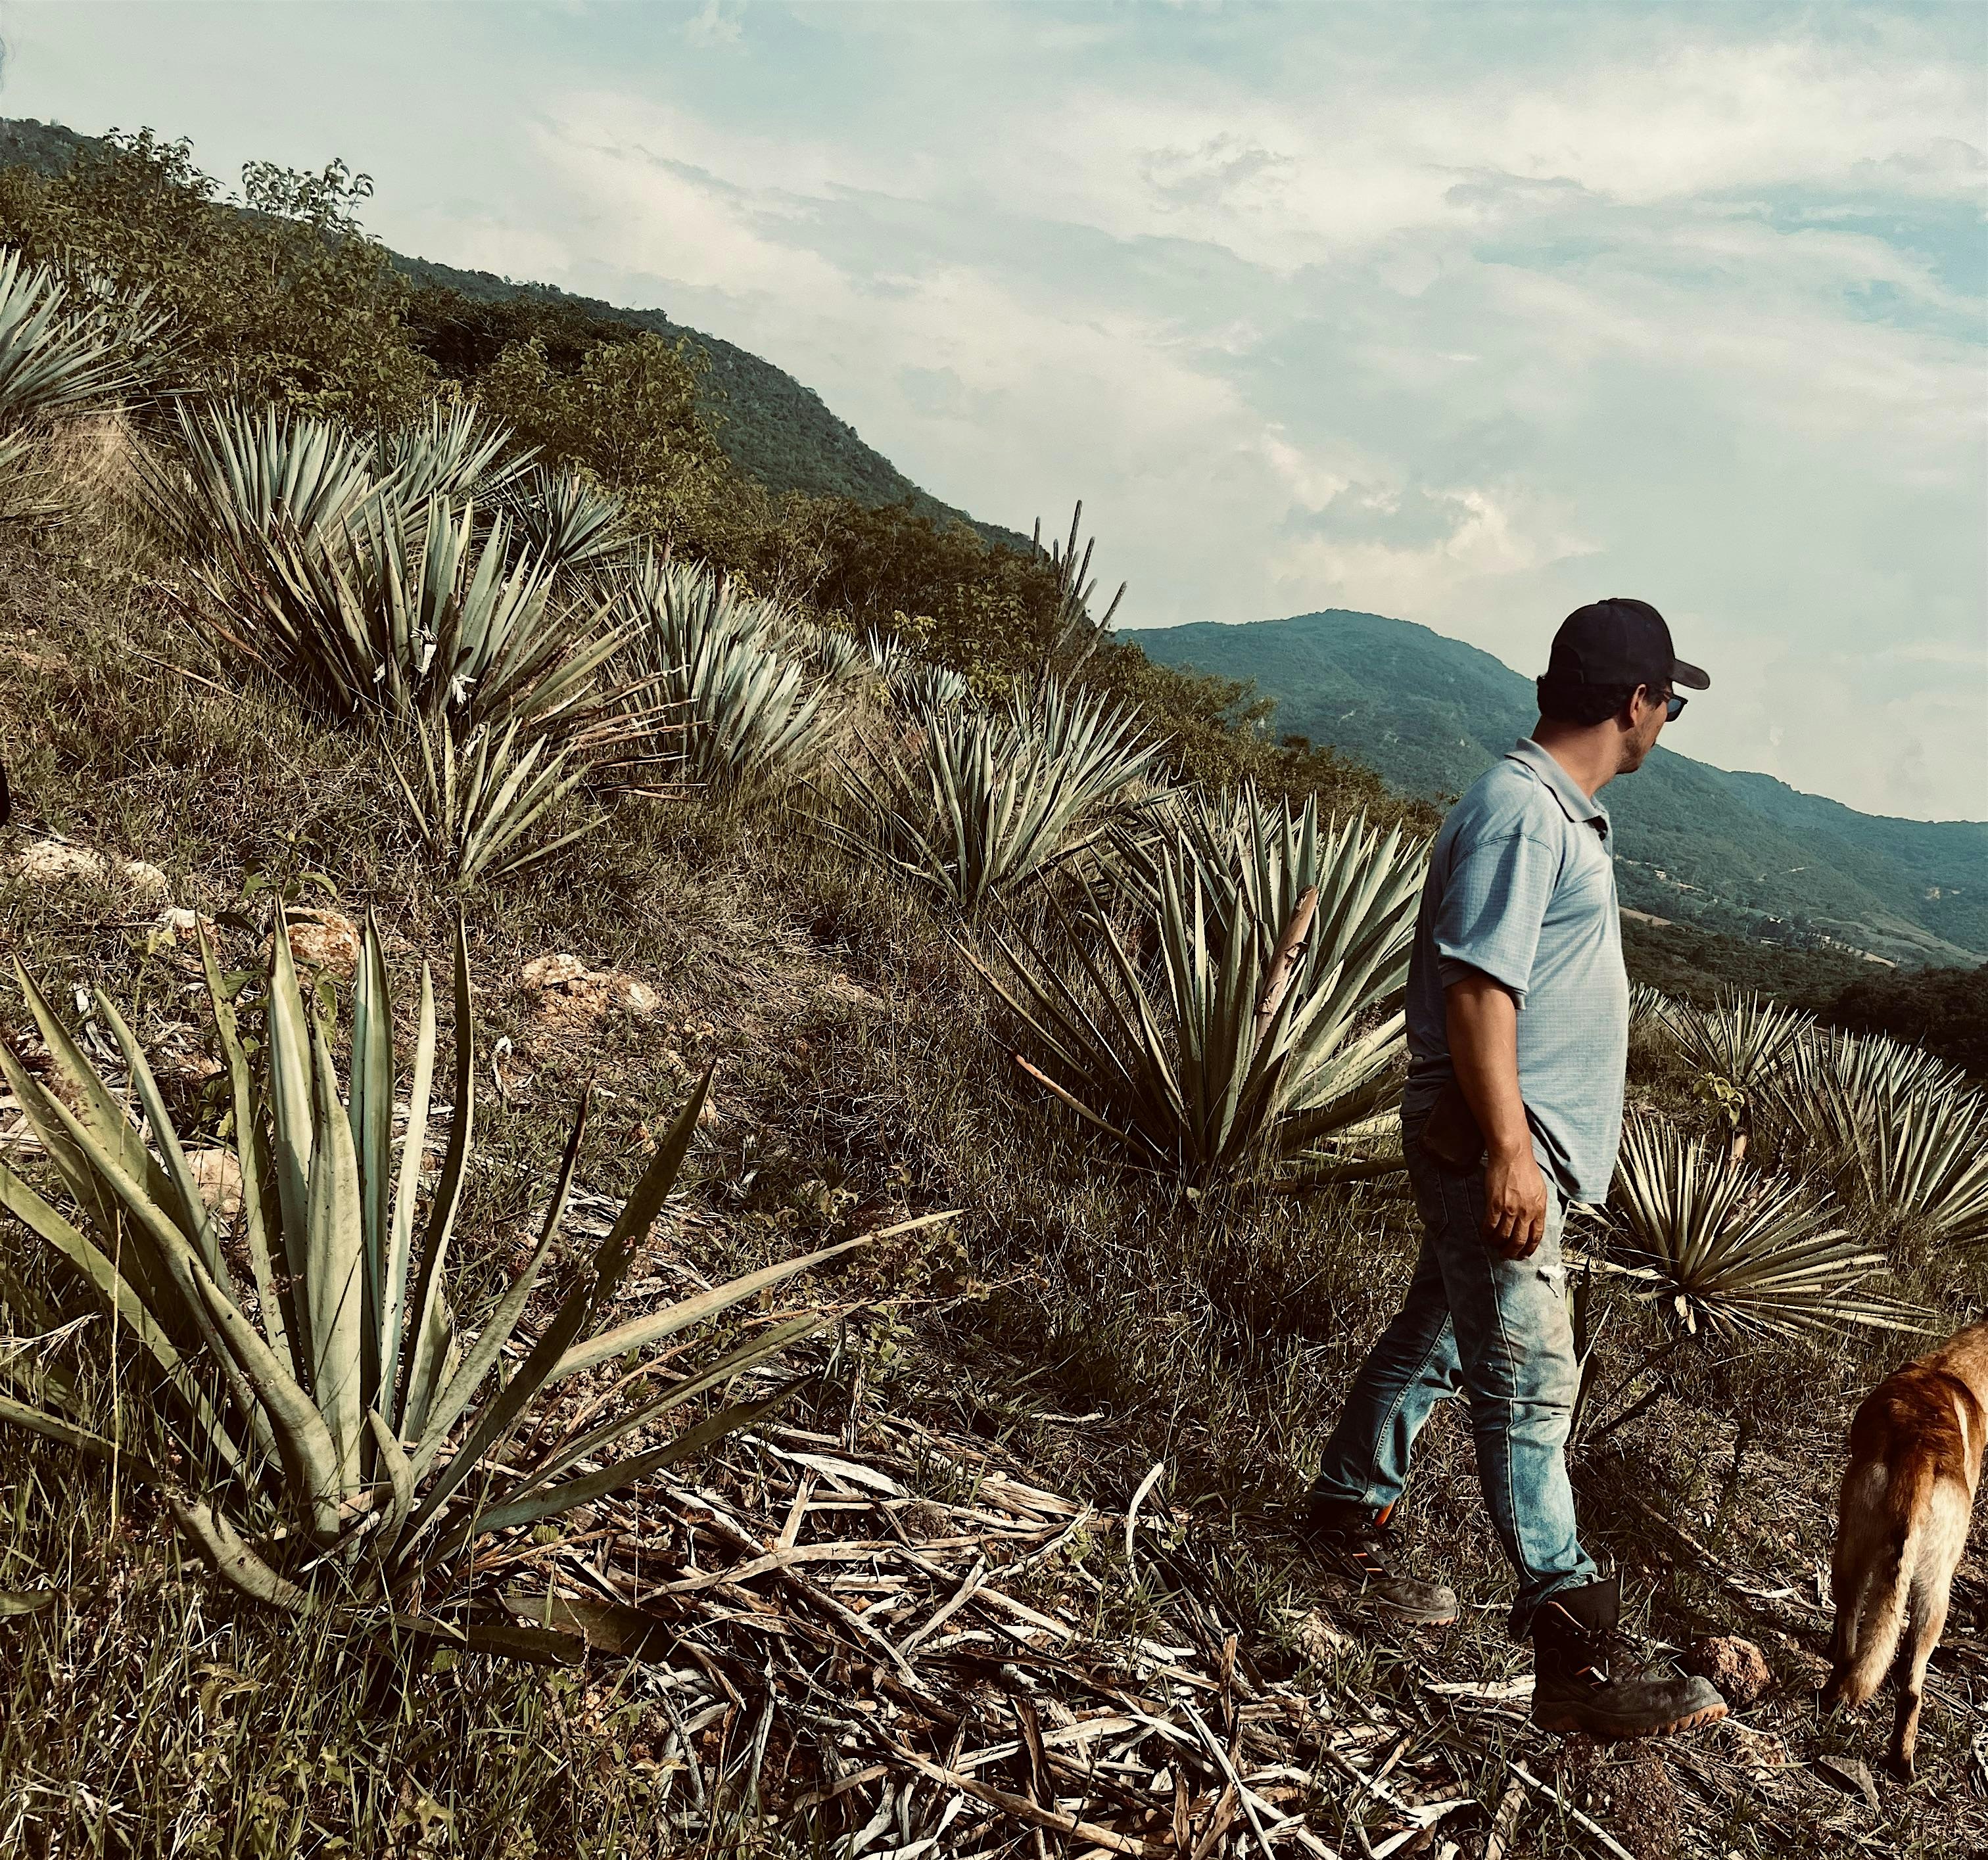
(1492, 906)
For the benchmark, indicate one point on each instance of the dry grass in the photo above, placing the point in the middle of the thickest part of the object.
(860, 1074)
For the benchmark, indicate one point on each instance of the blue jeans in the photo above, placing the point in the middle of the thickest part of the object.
(1495, 1331)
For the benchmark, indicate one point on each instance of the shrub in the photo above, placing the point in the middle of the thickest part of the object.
(988, 800)
(289, 302)
(719, 660)
(333, 1452)
(1946, 1009)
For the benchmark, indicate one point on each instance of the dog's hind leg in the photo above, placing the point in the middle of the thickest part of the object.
(1940, 1545)
(1869, 1578)
(1843, 1585)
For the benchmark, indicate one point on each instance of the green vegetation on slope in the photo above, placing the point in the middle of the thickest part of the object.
(291, 302)
(778, 434)
(1741, 853)
(771, 428)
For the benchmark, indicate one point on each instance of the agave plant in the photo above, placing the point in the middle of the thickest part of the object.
(473, 799)
(234, 476)
(1863, 1065)
(837, 657)
(1897, 1127)
(1651, 1011)
(405, 613)
(888, 655)
(567, 522)
(61, 354)
(990, 799)
(1737, 1251)
(339, 1443)
(455, 452)
(719, 660)
(1074, 635)
(927, 692)
(1258, 1033)
(1741, 1041)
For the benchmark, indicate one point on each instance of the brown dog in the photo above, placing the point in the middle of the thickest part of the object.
(1915, 1462)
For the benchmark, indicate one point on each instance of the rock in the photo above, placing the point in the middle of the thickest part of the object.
(1760, 1753)
(216, 1173)
(1628, 1790)
(62, 862)
(570, 994)
(176, 925)
(55, 862)
(552, 972)
(1852, 1775)
(1317, 1639)
(326, 939)
(1737, 1667)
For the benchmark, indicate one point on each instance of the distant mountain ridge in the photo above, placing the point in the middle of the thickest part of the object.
(1734, 852)
(770, 425)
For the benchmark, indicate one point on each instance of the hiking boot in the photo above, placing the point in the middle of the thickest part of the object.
(1572, 1691)
(1351, 1542)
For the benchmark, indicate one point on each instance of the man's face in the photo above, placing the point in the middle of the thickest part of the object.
(1649, 710)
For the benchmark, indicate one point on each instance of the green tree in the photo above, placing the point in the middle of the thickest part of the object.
(281, 297)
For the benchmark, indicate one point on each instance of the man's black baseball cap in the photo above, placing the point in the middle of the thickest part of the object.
(1619, 642)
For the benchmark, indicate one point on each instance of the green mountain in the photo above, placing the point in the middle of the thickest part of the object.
(1739, 853)
(771, 427)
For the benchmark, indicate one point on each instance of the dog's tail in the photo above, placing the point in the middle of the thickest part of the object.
(1884, 1587)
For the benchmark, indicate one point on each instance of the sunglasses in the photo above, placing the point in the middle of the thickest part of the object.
(1674, 706)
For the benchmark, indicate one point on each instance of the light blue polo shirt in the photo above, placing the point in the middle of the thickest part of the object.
(1522, 887)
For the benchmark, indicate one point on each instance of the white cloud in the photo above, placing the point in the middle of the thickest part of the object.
(714, 24)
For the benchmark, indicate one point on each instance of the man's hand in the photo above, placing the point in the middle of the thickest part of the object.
(1483, 1022)
(1515, 1204)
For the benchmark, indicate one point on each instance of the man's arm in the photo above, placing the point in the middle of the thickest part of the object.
(1482, 1021)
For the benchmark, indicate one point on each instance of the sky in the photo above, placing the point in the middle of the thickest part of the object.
(1463, 313)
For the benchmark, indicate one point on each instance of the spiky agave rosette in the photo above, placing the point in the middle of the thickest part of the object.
(336, 1443)
(987, 800)
(1736, 1250)
(1900, 1129)
(1259, 1031)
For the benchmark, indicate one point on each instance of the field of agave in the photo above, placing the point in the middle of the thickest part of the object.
(1177, 1010)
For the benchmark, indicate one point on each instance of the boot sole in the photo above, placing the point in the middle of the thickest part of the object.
(1571, 1721)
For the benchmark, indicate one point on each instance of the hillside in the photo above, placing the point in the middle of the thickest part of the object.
(476, 935)
(1742, 853)
(771, 427)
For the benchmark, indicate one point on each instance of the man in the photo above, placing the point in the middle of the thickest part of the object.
(1518, 1023)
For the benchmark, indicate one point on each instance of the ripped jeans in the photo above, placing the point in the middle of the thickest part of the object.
(1496, 1332)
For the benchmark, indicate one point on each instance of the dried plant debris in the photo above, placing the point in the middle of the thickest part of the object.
(901, 1639)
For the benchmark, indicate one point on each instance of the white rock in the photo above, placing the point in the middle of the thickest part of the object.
(177, 924)
(216, 1173)
(552, 971)
(572, 994)
(60, 862)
